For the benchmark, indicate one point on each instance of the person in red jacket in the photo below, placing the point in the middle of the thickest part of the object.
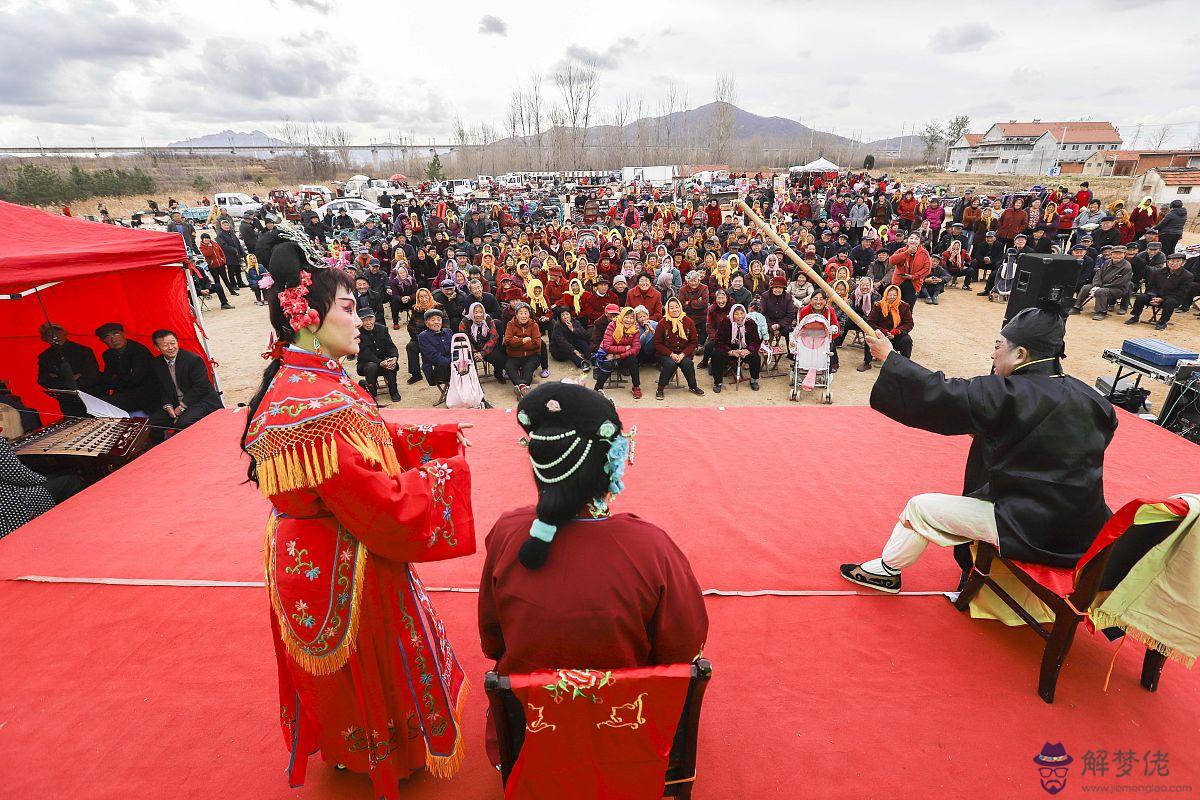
(646, 295)
(217, 265)
(675, 344)
(712, 213)
(1083, 196)
(910, 268)
(906, 209)
(891, 317)
(621, 344)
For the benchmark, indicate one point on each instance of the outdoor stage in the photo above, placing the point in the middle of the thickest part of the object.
(149, 691)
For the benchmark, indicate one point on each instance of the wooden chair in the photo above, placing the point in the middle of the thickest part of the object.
(1068, 593)
(508, 716)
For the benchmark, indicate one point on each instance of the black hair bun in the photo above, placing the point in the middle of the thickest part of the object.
(568, 406)
(287, 261)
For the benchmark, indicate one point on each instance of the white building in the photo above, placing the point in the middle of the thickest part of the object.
(1032, 148)
(1165, 184)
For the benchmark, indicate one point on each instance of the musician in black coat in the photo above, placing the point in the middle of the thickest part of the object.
(1034, 478)
(186, 395)
(67, 365)
(377, 355)
(128, 380)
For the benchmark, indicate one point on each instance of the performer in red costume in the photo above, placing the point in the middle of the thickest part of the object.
(366, 674)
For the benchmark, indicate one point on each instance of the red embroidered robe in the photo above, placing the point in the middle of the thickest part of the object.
(366, 674)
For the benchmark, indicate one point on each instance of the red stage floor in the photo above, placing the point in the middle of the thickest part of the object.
(135, 691)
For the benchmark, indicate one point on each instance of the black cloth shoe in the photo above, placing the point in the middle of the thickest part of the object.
(1160, 326)
(754, 386)
(395, 395)
(883, 583)
(1132, 321)
(658, 393)
(413, 379)
(717, 388)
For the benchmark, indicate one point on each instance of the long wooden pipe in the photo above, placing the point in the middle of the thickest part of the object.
(812, 274)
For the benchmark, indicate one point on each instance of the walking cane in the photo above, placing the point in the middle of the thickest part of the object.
(812, 274)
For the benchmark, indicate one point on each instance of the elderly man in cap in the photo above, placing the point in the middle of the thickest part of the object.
(1032, 425)
(128, 379)
(450, 299)
(1110, 283)
(987, 254)
(434, 342)
(1166, 289)
(377, 356)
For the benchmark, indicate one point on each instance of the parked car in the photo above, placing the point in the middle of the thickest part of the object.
(357, 208)
(236, 203)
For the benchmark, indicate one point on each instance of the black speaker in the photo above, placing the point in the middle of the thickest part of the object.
(1042, 277)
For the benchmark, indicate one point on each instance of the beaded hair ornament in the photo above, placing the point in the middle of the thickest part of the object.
(294, 301)
(621, 451)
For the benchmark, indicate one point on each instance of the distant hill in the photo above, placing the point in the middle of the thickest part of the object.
(693, 126)
(230, 139)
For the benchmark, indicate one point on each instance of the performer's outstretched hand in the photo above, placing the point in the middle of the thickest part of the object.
(880, 346)
(462, 439)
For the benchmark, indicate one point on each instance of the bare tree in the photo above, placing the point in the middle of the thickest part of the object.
(956, 127)
(1160, 137)
(619, 118)
(576, 85)
(725, 95)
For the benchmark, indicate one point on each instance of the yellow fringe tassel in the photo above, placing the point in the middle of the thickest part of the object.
(447, 767)
(1106, 620)
(305, 465)
(336, 659)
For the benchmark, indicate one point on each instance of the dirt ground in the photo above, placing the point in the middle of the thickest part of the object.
(955, 336)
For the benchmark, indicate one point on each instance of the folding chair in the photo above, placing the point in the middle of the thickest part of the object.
(508, 716)
(1068, 593)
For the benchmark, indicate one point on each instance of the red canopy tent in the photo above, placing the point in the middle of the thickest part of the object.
(79, 275)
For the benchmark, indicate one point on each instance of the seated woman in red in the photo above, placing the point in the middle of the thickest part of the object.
(566, 583)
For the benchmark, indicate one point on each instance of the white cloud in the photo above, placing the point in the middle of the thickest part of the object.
(489, 24)
(965, 38)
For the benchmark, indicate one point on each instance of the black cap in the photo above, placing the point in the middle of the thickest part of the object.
(1180, 256)
(109, 327)
(1040, 330)
(366, 311)
(989, 233)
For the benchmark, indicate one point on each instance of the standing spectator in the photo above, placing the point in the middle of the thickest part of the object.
(185, 229)
(1144, 216)
(249, 230)
(910, 265)
(1170, 227)
(1013, 220)
(215, 256)
(235, 252)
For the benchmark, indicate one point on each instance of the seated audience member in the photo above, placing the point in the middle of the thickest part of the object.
(480, 328)
(67, 365)
(646, 326)
(187, 394)
(801, 291)
(987, 254)
(1167, 289)
(549, 567)
(1111, 282)
(779, 309)
(523, 345)
(621, 344)
(862, 299)
(434, 342)
(644, 294)
(570, 340)
(25, 494)
(695, 298)
(128, 380)
(422, 302)
(377, 356)
(738, 293)
(936, 282)
(600, 326)
(893, 317)
(717, 312)
(674, 344)
(738, 341)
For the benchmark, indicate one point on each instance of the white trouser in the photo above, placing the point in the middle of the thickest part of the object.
(944, 519)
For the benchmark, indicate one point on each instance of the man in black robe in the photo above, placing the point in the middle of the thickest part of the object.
(1034, 476)
(67, 365)
(128, 380)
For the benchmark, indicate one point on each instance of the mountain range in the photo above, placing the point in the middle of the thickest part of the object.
(679, 127)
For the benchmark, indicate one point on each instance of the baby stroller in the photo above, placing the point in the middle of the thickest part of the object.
(812, 343)
(464, 391)
(1005, 278)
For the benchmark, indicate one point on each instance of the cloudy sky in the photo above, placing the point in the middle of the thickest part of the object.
(158, 70)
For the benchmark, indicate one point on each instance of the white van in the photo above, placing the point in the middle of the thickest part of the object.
(236, 203)
(459, 187)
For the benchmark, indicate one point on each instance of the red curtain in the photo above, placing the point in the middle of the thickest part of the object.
(143, 300)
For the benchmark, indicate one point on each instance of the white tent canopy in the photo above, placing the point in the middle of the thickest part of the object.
(820, 165)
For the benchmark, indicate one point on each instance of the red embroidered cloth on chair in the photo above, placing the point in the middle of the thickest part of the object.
(602, 734)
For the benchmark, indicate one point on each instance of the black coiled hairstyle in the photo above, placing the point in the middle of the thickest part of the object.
(578, 416)
(288, 261)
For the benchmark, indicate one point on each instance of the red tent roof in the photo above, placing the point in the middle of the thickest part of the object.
(36, 247)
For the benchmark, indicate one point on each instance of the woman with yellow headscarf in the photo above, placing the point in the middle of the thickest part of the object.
(893, 317)
(675, 345)
(721, 276)
(621, 344)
